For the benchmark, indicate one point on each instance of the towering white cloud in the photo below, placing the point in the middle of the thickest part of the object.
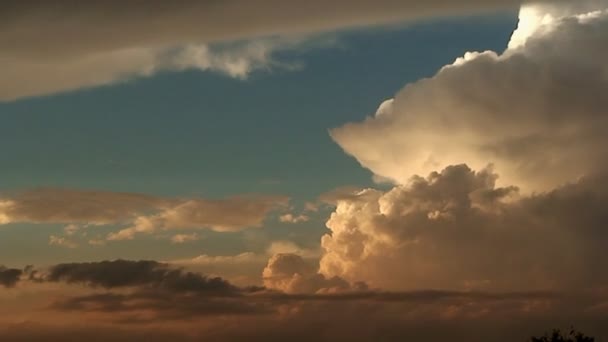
(538, 106)
(537, 112)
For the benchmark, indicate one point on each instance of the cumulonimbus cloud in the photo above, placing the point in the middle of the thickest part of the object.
(457, 230)
(536, 111)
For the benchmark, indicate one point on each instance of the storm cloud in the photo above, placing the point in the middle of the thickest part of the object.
(456, 229)
(537, 106)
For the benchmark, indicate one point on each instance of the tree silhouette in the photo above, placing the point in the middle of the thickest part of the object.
(557, 336)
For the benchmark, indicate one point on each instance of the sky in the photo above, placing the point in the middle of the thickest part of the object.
(327, 170)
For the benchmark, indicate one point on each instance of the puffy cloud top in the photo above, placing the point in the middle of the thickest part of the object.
(292, 274)
(457, 230)
(539, 106)
(537, 112)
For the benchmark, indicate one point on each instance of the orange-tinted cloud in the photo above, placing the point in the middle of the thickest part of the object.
(139, 212)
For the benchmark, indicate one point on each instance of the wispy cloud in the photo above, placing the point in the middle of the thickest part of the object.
(140, 213)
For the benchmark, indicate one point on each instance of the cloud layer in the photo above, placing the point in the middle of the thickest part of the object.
(154, 300)
(140, 213)
(31, 76)
(52, 46)
(125, 273)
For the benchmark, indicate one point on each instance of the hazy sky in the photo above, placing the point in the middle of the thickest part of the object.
(365, 170)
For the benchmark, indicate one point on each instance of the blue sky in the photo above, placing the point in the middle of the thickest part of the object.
(194, 133)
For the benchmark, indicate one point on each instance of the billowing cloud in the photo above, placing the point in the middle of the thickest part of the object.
(536, 115)
(457, 230)
(246, 268)
(143, 213)
(53, 46)
(536, 111)
(292, 274)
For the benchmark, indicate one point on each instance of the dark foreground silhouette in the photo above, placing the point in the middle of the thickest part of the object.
(557, 336)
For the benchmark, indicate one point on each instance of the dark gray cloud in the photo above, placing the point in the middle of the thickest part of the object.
(9, 277)
(145, 274)
(162, 291)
